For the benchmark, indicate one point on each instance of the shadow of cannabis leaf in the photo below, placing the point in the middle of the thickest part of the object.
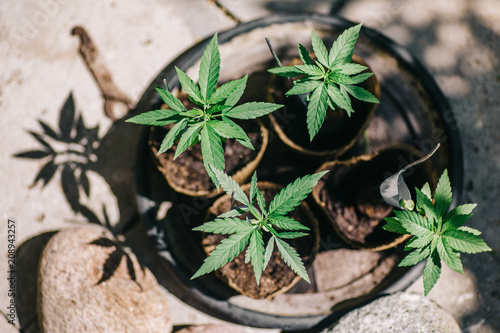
(71, 149)
(114, 260)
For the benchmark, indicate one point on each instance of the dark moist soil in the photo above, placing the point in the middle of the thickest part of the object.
(188, 171)
(337, 131)
(352, 197)
(277, 275)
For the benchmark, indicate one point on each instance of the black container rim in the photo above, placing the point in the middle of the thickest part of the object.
(230, 312)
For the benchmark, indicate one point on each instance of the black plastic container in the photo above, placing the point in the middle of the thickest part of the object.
(413, 111)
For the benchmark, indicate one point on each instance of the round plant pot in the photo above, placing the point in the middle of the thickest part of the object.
(187, 174)
(349, 194)
(278, 277)
(413, 110)
(338, 133)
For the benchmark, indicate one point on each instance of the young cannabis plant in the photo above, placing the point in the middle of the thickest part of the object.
(248, 233)
(330, 79)
(437, 233)
(210, 122)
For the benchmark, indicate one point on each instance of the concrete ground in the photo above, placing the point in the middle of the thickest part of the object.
(42, 73)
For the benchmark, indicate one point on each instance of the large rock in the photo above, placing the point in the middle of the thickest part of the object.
(89, 283)
(397, 313)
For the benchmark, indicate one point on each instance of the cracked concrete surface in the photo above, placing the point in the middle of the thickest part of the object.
(458, 40)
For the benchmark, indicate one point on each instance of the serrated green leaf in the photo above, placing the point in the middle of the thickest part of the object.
(351, 68)
(173, 102)
(460, 210)
(449, 256)
(234, 212)
(432, 271)
(172, 136)
(311, 70)
(442, 195)
(415, 257)
(393, 225)
(209, 69)
(269, 251)
(230, 186)
(286, 71)
(338, 99)
(155, 118)
(218, 108)
(261, 201)
(304, 55)
(419, 242)
(256, 253)
(225, 226)
(464, 241)
(188, 138)
(190, 87)
(470, 230)
(291, 234)
(302, 87)
(242, 136)
(234, 87)
(425, 204)
(426, 189)
(361, 94)
(252, 194)
(226, 130)
(292, 259)
(286, 223)
(456, 222)
(223, 253)
(342, 48)
(320, 49)
(252, 110)
(414, 223)
(211, 150)
(291, 196)
(316, 110)
(357, 79)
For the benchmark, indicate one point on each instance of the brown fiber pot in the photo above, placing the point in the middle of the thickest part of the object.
(277, 278)
(339, 131)
(350, 199)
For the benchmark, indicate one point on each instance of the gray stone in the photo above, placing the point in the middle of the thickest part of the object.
(89, 283)
(400, 312)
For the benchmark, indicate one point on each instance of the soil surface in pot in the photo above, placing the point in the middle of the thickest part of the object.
(278, 277)
(352, 197)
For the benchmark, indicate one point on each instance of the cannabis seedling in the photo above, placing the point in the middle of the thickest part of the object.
(330, 79)
(210, 122)
(437, 233)
(249, 231)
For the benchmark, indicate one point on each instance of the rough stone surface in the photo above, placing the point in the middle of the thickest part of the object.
(397, 313)
(71, 297)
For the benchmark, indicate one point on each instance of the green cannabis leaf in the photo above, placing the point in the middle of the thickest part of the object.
(248, 233)
(330, 79)
(210, 122)
(437, 234)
